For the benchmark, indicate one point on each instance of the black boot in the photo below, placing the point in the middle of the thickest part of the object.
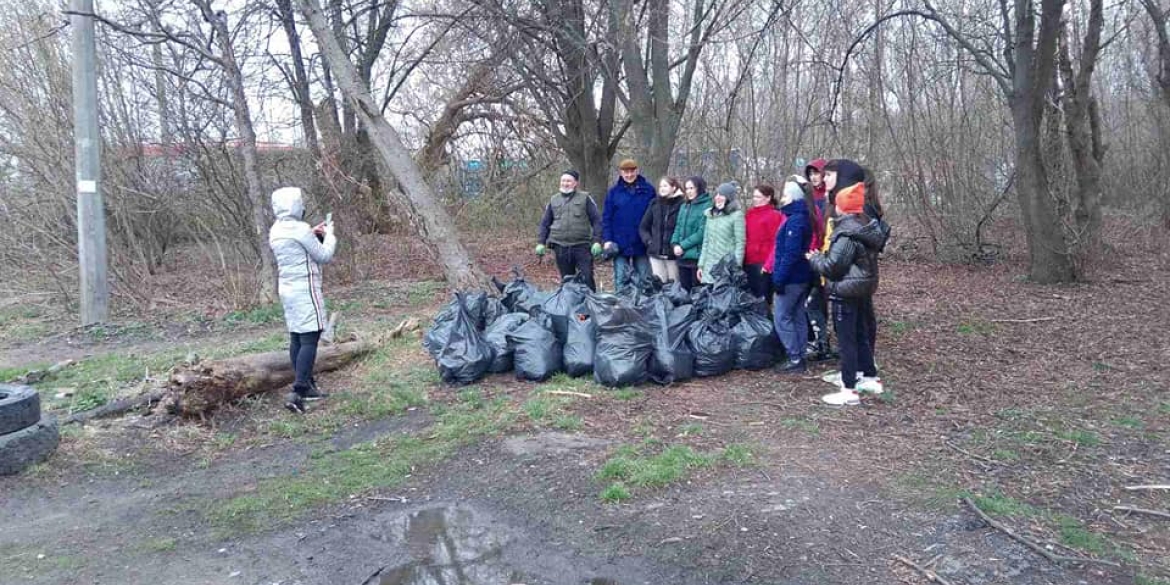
(294, 403)
(312, 392)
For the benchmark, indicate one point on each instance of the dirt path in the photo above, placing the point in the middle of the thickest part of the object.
(1042, 423)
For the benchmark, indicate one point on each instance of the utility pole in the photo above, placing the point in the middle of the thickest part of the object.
(91, 218)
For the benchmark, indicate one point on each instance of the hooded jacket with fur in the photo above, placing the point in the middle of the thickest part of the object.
(299, 256)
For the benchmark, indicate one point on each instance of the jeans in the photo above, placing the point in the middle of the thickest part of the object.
(665, 270)
(628, 270)
(302, 351)
(576, 260)
(791, 320)
(852, 324)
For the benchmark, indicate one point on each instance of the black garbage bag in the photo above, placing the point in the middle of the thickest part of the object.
(710, 339)
(625, 342)
(672, 360)
(562, 302)
(436, 337)
(639, 290)
(537, 354)
(466, 356)
(754, 338)
(581, 342)
(496, 336)
(516, 292)
(675, 292)
(727, 272)
(493, 309)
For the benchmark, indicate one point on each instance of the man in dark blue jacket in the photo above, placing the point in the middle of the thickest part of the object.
(625, 204)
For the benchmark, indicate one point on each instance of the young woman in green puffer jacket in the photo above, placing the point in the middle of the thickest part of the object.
(725, 233)
(689, 229)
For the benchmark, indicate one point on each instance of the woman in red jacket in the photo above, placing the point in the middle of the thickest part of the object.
(763, 221)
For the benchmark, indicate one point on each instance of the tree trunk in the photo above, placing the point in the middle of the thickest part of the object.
(243, 122)
(198, 390)
(435, 226)
(1048, 258)
(1083, 129)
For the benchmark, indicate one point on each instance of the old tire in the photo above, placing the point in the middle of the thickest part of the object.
(20, 408)
(28, 446)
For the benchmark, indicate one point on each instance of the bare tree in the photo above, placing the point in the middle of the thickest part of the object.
(434, 224)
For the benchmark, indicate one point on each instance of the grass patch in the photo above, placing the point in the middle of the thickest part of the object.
(690, 430)
(899, 328)
(332, 476)
(423, 292)
(1164, 408)
(1006, 455)
(1148, 580)
(1074, 534)
(1082, 438)
(1129, 422)
(568, 422)
(800, 424)
(976, 327)
(627, 394)
(995, 503)
(160, 545)
(614, 493)
(633, 466)
(261, 315)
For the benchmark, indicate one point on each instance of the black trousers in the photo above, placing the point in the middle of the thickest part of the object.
(688, 273)
(818, 319)
(759, 282)
(853, 338)
(576, 259)
(302, 351)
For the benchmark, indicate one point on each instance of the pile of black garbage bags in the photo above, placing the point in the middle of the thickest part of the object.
(650, 331)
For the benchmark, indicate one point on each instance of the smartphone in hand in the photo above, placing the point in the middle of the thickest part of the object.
(329, 218)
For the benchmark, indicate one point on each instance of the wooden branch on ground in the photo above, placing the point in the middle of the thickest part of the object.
(1036, 320)
(969, 454)
(199, 389)
(117, 407)
(930, 575)
(568, 393)
(1132, 510)
(1131, 488)
(1040, 550)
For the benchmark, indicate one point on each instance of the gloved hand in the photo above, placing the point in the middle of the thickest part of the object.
(540, 249)
(609, 245)
(595, 250)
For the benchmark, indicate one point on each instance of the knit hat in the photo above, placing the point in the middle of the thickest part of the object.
(727, 189)
(851, 199)
(572, 173)
(628, 164)
(793, 192)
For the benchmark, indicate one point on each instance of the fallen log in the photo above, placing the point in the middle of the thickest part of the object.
(195, 390)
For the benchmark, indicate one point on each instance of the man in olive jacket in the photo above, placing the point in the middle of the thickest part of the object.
(571, 226)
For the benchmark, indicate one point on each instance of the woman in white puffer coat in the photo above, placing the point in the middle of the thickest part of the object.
(299, 256)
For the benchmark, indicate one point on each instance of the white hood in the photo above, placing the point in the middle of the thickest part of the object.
(287, 202)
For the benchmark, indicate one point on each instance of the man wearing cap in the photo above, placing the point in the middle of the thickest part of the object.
(571, 226)
(625, 204)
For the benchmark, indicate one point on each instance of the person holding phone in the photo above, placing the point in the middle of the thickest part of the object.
(300, 250)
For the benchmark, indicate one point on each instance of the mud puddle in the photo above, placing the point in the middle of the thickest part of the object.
(457, 545)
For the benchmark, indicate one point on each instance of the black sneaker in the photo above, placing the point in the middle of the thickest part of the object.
(313, 394)
(794, 367)
(294, 404)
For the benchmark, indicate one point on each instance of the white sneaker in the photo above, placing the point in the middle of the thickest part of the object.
(870, 385)
(842, 398)
(834, 378)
